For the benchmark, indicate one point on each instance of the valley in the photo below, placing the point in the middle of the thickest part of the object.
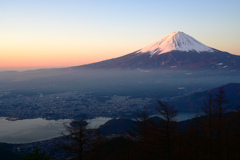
(177, 70)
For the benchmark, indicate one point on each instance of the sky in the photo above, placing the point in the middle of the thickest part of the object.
(62, 33)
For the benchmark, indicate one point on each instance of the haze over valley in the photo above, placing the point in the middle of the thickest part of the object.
(119, 86)
(115, 80)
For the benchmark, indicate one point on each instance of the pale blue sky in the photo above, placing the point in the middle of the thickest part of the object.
(72, 32)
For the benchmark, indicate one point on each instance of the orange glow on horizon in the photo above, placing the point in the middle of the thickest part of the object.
(61, 57)
(17, 53)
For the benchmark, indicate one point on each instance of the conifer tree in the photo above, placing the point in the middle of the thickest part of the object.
(208, 123)
(221, 107)
(78, 139)
(168, 127)
(37, 154)
(142, 132)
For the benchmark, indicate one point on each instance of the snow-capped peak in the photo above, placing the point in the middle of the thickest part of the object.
(176, 41)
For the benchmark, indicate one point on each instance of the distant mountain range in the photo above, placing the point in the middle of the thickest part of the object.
(177, 50)
(196, 100)
(188, 103)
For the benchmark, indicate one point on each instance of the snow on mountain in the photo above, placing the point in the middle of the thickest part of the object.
(175, 51)
(175, 41)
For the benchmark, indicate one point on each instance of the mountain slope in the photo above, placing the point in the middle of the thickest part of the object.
(176, 41)
(196, 100)
(177, 50)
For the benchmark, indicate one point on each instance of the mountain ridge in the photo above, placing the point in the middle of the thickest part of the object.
(176, 41)
(170, 60)
(196, 100)
(175, 51)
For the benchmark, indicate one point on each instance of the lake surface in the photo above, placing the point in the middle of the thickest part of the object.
(32, 130)
(97, 122)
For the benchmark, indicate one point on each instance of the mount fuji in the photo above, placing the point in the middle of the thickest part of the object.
(177, 50)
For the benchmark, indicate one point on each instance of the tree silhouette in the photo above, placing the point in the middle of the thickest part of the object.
(235, 141)
(37, 155)
(168, 127)
(196, 133)
(78, 139)
(208, 123)
(221, 107)
(142, 132)
(237, 122)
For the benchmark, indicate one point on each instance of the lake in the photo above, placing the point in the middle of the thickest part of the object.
(32, 130)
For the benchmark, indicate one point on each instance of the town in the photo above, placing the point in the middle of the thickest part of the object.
(69, 105)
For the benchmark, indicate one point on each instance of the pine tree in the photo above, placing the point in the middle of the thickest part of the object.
(168, 127)
(78, 139)
(208, 123)
(142, 131)
(37, 154)
(221, 108)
